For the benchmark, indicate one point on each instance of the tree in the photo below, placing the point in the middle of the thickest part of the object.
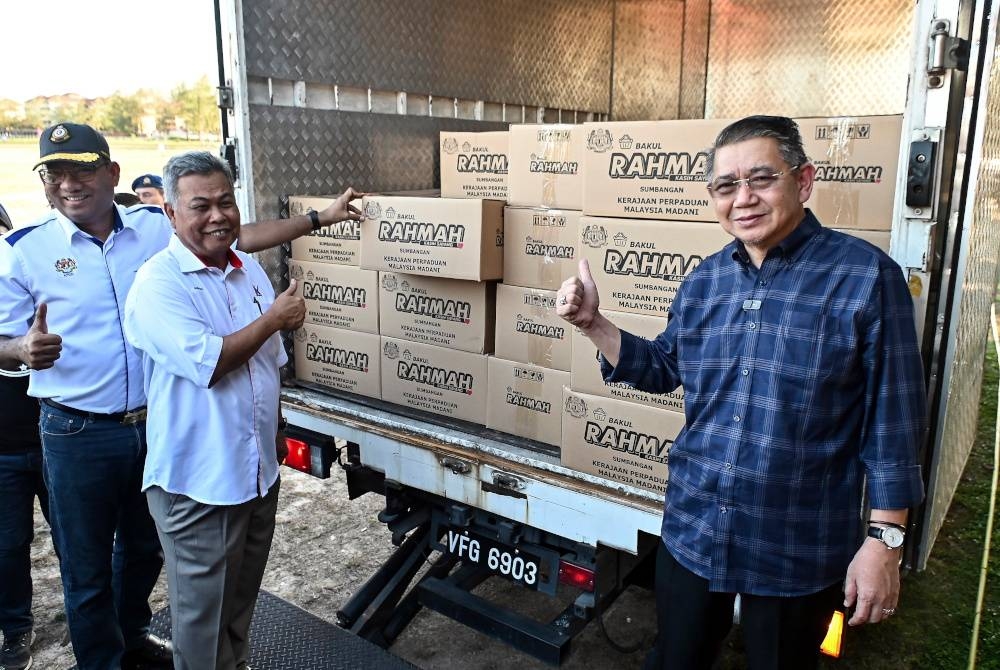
(196, 106)
(120, 114)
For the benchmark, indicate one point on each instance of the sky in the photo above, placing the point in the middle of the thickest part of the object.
(117, 45)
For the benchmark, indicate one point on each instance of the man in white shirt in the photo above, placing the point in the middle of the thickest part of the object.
(207, 323)
(63, 284)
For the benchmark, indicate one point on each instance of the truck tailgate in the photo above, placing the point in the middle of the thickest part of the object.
(505, 477)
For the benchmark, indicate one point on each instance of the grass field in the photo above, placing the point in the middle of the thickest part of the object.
(21, 191)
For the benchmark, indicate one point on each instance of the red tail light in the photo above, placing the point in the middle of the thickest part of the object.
(298, 455)
(574, 575)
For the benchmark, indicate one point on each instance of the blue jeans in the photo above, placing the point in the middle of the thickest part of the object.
(20, 481)
(110, 554)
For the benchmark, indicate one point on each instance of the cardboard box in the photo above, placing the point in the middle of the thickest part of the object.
(339, 243)
(856, 160)
(639, 265)
(880, 238)
(540, 246)
(621, 441)
(345, 360)
(434, 379)
(545, 166)
(444, 312)
(649, 169)
(438, 237)
(529, 330)
(587, 370)
(525, 400)
(474, 165)
(339, 296)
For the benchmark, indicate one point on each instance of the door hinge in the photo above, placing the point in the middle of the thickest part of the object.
(947, 52)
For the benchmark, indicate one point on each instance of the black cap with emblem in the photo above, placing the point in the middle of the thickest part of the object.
(72, 142)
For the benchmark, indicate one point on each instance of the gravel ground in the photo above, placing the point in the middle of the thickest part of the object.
(325, 546)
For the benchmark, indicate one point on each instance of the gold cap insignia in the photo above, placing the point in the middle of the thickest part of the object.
(59, 135)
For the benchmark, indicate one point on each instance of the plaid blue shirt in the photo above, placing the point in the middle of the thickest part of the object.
(800, 380)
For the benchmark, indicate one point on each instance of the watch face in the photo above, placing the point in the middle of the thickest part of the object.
(893, 537)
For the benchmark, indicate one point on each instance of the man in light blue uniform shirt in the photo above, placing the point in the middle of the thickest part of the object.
(63, 285)
(207, 323)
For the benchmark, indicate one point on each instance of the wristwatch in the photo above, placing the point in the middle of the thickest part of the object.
(890, 536)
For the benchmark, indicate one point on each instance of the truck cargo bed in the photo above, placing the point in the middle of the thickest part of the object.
(509, 476)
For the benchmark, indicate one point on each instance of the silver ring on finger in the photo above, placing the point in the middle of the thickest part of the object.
(888, 611)
(562, 300)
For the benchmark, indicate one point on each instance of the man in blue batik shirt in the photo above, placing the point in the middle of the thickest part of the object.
(803, 387)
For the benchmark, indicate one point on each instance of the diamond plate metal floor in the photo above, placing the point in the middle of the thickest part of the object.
(285, 637)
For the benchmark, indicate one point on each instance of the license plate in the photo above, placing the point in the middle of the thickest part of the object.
(510, 562)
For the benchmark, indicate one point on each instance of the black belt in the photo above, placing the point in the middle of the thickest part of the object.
(125, 418)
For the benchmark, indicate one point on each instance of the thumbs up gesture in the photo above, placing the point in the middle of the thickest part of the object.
(39, 348)
(577, 300)
(288, 310)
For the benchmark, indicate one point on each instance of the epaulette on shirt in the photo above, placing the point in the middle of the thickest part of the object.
(15, 235)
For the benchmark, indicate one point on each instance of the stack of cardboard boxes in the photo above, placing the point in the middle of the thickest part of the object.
(437, 260)
(416, 322)
(534, 345)
(338, 345)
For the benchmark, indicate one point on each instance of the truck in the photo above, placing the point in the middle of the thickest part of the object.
(318, 94)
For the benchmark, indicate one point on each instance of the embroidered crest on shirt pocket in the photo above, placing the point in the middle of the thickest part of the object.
(66, 266)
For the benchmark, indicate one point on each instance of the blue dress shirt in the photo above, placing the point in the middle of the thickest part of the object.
(802, 380)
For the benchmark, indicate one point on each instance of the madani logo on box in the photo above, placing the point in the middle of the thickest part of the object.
(844, 131)
(450, 146)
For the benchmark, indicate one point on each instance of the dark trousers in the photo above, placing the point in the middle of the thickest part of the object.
(21, 482)
(692, 622)
(110, 555)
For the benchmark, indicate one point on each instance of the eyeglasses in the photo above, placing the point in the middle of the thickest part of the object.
(758, 183)
(80, 174)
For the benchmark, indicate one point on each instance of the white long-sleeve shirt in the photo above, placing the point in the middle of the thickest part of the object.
(214, 445)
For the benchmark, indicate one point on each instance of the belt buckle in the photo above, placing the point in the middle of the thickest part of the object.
(134, 417)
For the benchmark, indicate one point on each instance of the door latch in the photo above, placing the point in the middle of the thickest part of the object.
(920, 174)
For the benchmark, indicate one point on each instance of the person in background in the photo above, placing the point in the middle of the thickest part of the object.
(63, 285)
(207, 323)
(149, 188)
(21, 482)
(803, 388)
